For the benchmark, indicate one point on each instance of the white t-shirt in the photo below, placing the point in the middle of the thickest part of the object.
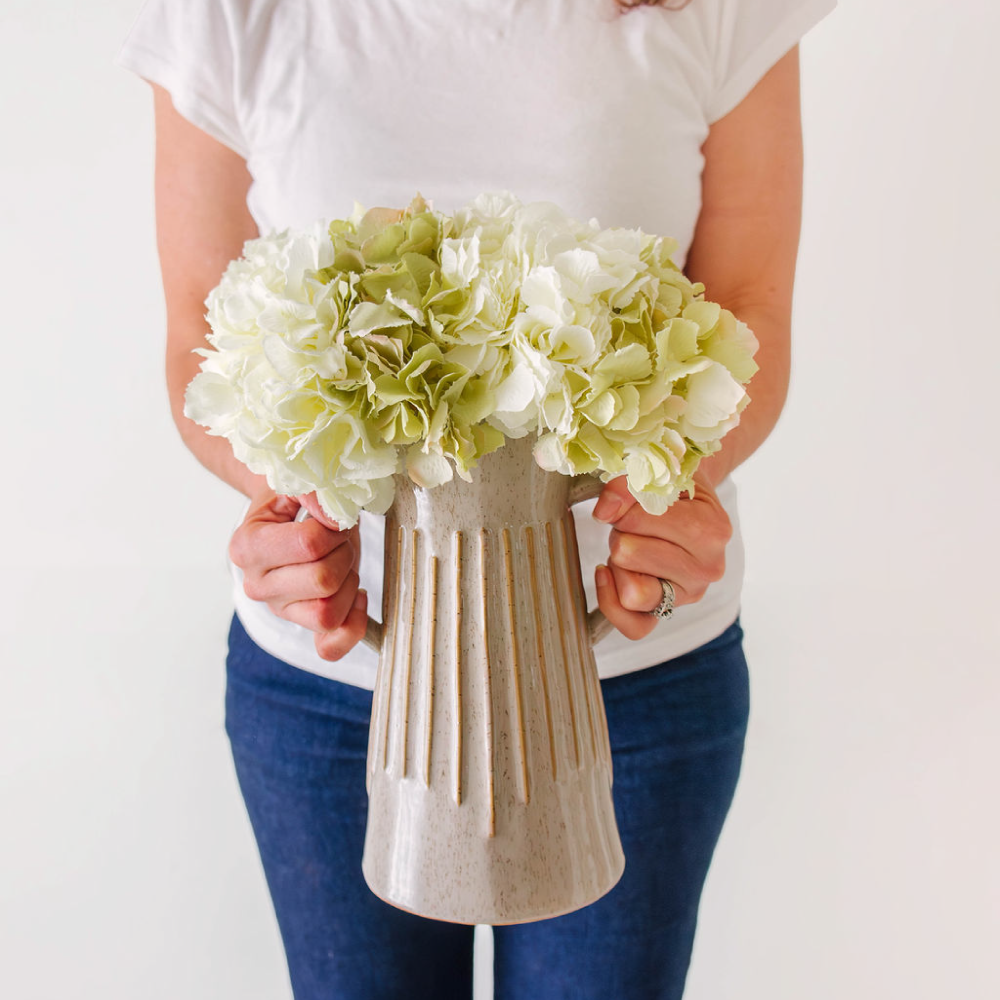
(557, 100)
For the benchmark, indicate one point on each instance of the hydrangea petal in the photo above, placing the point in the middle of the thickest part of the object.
(428, 469)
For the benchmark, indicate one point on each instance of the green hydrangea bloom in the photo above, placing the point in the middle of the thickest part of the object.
(410, 340)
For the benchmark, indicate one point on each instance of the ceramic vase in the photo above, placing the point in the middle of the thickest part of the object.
(489, 769)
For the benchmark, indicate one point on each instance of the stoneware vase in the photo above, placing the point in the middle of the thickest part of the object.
(489, 769)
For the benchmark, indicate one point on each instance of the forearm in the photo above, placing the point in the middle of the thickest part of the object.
(767, 389)
(214, 453)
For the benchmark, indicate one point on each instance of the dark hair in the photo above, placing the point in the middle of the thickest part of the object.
(624, 6)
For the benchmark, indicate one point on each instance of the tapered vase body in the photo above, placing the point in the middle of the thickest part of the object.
(489, 769)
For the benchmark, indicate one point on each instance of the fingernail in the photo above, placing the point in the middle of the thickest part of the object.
(603, 578)
(360, 599)
(607, 509)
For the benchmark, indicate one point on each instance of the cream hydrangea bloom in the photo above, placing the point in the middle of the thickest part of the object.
(410, 341)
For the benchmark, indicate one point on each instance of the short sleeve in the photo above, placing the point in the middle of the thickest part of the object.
(752, 35)
(188, 48)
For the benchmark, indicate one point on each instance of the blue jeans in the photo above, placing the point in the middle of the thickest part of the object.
(299, 743)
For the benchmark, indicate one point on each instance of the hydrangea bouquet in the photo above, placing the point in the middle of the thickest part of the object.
(414, 340)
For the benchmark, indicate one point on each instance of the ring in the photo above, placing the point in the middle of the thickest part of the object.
(666, 606)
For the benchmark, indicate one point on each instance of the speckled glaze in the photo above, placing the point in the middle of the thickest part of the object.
(489, 769)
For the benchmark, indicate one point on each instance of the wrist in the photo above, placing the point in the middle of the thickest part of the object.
(710, 472)
(257, 489)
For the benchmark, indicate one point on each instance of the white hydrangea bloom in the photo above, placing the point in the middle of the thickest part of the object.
(407, 341)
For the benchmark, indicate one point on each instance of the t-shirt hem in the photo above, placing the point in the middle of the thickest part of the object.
(690, 627)
(704, 629)
(354, 673)
(273, 636)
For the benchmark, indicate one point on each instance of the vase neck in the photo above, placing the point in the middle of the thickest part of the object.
(508, 489)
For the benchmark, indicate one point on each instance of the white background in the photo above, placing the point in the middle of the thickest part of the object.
(859, 859)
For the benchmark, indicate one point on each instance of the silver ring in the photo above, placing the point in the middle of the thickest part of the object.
(666, 606)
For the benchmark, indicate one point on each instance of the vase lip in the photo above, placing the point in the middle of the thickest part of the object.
(507, 488)
(511, 452)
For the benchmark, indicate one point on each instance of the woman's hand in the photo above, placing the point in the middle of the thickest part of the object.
(305, 571)
(685, 545)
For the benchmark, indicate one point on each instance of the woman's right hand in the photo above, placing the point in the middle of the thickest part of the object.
(305, 571)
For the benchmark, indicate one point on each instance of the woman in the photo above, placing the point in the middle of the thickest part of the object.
(680, 122)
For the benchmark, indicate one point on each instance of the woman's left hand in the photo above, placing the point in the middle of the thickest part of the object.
(685, 545)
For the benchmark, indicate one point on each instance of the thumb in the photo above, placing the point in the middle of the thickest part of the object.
(614, 500)
(312, 504)
(273, 508)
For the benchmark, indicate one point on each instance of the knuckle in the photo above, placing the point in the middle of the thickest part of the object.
(238, 549)
(253, 587)
(712, 567)
(310, 540)
(621, 547)
(634, 597)
(722, 530)
(327, 577)
(726, 529)
(715, 525)
(614, 541)
(329, 617)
